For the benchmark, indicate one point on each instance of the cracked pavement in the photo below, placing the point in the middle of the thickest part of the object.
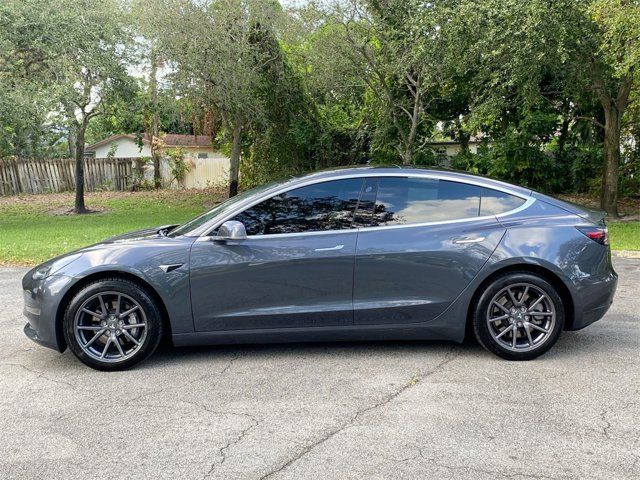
(322, 411)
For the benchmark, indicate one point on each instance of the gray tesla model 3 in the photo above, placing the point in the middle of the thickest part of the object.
(365, 253)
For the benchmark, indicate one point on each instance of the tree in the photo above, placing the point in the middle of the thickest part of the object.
(92, 72)
(614, 73)
(215, 62)
(528, 56)
(31, 36)
(391, 45)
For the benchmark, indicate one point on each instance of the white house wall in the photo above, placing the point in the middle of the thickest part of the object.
(126, 148)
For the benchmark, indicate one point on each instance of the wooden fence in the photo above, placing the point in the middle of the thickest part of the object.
(58, 175)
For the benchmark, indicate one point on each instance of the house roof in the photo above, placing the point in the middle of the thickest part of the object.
(170, 140)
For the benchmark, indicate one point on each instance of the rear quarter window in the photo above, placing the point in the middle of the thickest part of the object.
(494, 202)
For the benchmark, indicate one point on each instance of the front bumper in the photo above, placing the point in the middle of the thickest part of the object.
(41, 301)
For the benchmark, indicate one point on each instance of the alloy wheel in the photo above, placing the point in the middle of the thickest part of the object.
(110, 326)
(521, 317)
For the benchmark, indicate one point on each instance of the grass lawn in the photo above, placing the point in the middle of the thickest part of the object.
(624, 235)
(34, 228)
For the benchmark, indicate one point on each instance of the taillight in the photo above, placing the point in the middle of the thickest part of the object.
(597, 234)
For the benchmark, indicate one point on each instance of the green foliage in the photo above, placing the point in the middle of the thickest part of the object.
(179, 166)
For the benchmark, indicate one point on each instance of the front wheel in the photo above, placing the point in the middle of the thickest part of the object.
(519, 316)
(112, 324)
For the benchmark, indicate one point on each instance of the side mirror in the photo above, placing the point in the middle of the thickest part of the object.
(231, 230)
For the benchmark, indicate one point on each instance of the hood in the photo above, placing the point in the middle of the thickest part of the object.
(139, 234)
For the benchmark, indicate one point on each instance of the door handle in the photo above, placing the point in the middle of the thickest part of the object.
(327, 249)
(469, 240)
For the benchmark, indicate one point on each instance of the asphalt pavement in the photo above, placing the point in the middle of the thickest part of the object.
(398, 410)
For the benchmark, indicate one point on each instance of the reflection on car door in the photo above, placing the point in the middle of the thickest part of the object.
(295, 269)
(407, 272)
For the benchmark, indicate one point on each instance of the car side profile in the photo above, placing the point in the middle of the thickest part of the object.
(367, 253)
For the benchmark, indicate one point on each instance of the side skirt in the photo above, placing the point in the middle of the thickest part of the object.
(316, 334)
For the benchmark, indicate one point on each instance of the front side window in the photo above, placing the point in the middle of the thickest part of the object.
(314, 208)
(403, 201)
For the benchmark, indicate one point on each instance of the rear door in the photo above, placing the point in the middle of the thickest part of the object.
(421, 243)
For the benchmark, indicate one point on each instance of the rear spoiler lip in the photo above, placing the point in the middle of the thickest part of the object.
(592, 215)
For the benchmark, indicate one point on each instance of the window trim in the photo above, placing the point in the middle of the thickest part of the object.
(215, 223)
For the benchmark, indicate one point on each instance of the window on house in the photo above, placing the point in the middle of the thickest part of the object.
(203, 155)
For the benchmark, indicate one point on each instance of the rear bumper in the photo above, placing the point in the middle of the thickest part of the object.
(594, 298)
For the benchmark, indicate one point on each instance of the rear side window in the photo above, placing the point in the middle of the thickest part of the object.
(318, 207)
(403, 201)
(494, 202)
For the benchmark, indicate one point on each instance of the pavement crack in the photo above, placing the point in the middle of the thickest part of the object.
(607, 426)
(414, 380)
(40, 374)
(222, 451)
(229, 364)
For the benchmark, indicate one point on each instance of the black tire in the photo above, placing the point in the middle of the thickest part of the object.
(151, 314)
(517, 282)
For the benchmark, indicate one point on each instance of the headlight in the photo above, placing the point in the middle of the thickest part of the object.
(41, 272)
(52, 266)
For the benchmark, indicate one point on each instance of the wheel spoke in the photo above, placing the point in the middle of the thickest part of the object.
(117, 342)
(536, 327)
(130, 337)
(508, 329)
(128, 312)
(118, 305)
(528, 330)
(106, 347)
(105, 312)
(540, 314)
(94, 338)
(90, 327)
(92, 313)
(534, 304)
(524, 295)
(496, 319)
(514, 302)
(502, 307)
(514, 338)
(133, 325)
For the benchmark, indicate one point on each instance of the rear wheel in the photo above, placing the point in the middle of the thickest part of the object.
(519, 316)
(112, 324)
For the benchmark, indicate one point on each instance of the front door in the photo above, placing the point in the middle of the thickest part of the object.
(295, 269)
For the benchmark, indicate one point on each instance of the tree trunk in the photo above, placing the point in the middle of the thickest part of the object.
(79, 206)
(155, 154)
(609, 191)
(234, 167)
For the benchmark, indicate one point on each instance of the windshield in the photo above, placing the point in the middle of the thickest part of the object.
(225, 206)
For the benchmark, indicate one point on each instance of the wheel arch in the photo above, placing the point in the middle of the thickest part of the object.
(549, 275)
(103, 274)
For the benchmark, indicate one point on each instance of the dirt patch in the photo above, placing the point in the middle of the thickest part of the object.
(63, 211)
(94, 200)
(628, 208)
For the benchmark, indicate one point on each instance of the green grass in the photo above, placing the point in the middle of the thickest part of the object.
(32, 228)
(624, 235)
(35, 228)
